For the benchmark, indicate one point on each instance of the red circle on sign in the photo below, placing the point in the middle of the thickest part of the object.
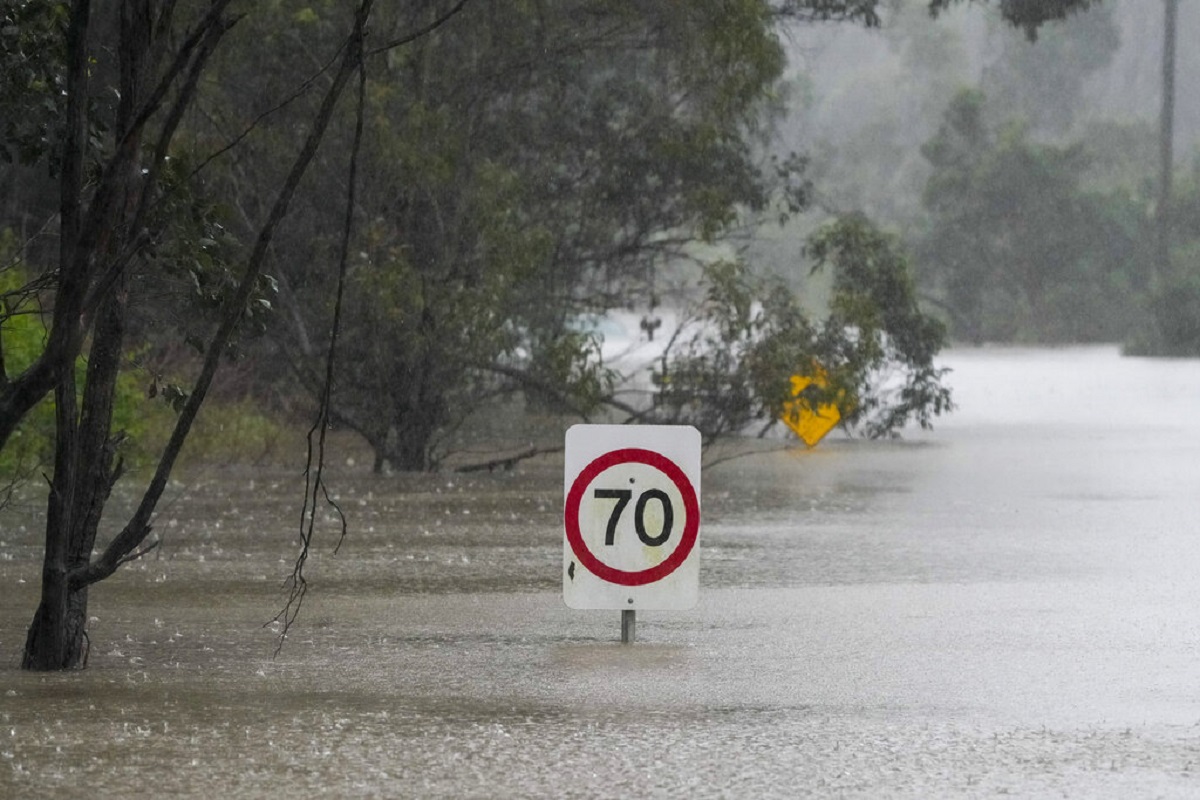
(691, 526)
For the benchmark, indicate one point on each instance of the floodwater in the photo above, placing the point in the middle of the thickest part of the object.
(1007, 605)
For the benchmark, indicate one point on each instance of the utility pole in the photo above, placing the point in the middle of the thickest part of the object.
(1166, 148)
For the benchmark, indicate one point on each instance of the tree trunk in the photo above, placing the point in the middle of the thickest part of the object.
(84, 475)
(84, 452)
(56, 637)
(416, 425)
(411, 453)
(419, 406)
(379, 448)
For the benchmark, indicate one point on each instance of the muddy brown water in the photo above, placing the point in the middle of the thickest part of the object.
(1009, 605)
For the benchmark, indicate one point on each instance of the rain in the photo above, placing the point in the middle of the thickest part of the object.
(357, 580)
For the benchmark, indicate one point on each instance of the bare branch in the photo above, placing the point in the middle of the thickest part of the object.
(314, 481)
(134, 556)
(425, 31)
(507, 462)
(254, 123)
(212, 19)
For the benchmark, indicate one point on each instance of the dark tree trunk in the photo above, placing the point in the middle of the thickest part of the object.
(56, 638)
(412, 450)
(419, 407)
(84, 451)
(378, 441)
(416, 424)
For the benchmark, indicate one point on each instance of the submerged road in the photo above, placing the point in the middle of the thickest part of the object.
(1009, 605)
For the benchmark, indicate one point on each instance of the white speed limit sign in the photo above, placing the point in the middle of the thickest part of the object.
(631, 517)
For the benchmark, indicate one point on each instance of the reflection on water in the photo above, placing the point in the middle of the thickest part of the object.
(1007, 604)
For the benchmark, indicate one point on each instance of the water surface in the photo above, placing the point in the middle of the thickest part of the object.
(1010, 604)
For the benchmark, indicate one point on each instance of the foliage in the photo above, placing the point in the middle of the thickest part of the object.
(874, 300)
(138, 423)
(1017, 248)
(1028, 15)
(1123, 157)
(1043, 82)
(872, 163)
(22, 335)
(1172, 326)
(145, 403)
(731, 367)
(32, 94)
(189, 270)
(530, 166)
(97, 103)
(1185, 211)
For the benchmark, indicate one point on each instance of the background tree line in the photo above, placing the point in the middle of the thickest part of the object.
(1039, 184)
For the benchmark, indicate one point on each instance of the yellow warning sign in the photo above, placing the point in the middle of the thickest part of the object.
(810, 424)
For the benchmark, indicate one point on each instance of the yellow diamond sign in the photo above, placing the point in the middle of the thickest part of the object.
(810, 424)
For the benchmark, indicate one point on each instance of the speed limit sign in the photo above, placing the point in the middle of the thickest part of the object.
(631, 517)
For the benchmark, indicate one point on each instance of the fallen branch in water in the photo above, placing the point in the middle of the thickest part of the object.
(507, 462)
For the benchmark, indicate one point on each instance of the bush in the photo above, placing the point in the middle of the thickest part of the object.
(1174, 326)
(23, 335)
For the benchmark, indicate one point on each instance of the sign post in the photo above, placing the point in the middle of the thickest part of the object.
(631, 519)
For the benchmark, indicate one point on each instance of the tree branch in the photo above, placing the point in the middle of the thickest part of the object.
(301, 89)
(314, 468)
(139, 553)
(425, 31)
(507, 462)
(183, 100)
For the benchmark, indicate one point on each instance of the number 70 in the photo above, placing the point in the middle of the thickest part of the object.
(623, 496)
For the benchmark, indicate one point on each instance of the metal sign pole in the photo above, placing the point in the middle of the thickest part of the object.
(628, 625)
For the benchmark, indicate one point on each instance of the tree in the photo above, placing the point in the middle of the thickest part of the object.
(870, 124)
(1017, 247)
(531, 166)
(1172, 327)
(1043, 81)
(110, 174)
(1028, 15)
(964, 273)
(730, 366)
(521, 168)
